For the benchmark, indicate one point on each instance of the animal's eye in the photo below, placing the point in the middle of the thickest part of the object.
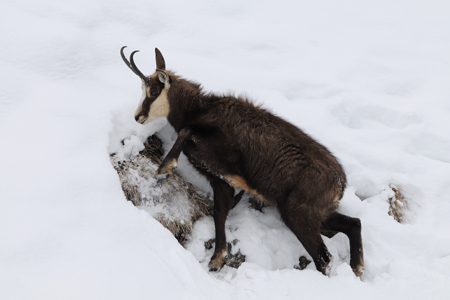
(154, 93)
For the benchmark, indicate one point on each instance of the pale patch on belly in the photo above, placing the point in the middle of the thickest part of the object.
(336, 201)
(239, 182)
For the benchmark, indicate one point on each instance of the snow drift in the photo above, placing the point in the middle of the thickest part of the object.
(366, 79)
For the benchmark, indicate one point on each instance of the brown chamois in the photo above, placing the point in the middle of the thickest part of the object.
(238, 145)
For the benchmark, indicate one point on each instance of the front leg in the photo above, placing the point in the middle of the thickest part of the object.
(171, 160)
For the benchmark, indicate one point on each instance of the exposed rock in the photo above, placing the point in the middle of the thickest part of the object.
(175, 203)
(303, 263)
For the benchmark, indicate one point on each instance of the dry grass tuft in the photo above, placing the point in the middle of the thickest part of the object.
(398, 204)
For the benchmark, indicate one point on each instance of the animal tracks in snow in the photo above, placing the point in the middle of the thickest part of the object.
(430, 146)
(357, 116)
(308, 90)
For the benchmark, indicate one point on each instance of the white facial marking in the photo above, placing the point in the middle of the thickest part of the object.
(159, 108)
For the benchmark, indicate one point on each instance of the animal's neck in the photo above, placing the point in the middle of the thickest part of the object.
(185, 100)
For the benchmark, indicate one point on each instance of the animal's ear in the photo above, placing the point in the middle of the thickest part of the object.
(163, 77)
(160, 63)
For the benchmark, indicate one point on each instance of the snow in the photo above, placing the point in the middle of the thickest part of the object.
(367, 79)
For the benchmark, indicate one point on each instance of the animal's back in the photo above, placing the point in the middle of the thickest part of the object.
(275, 155)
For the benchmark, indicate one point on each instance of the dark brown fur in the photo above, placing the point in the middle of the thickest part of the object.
(236, 144)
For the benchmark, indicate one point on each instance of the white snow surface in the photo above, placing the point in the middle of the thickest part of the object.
(368, 79)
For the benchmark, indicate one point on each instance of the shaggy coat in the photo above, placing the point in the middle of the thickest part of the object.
(236, 144)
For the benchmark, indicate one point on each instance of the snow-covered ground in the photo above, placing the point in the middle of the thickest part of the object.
(368, 79)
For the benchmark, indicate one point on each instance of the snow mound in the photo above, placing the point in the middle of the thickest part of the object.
(368, 79)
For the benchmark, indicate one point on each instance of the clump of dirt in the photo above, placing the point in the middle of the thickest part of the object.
(231, 260)
(303, 262)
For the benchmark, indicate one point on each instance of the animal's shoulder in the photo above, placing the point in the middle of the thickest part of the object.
(242, 108)
(239, 116)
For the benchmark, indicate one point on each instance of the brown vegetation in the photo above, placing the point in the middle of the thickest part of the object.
(398, 205)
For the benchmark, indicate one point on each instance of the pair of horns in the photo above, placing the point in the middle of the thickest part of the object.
(160, 63)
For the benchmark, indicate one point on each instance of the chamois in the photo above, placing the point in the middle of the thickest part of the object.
(238, 145)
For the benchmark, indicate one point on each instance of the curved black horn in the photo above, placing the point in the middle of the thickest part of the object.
(136, 70)
(126, 60)
(132, 65)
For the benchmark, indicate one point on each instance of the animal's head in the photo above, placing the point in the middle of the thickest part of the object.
(154, 103)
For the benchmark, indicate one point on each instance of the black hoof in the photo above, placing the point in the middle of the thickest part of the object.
(161, 177)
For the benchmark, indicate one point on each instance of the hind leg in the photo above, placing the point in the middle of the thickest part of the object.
(351, 227)
(307, 229)
(223, 201)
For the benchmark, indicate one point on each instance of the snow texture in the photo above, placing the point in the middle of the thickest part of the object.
(368, 79)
